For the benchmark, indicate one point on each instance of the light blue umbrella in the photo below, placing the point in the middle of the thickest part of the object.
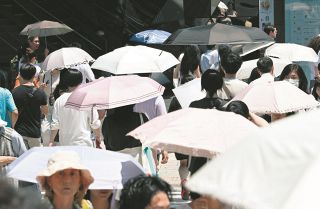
(150, 37)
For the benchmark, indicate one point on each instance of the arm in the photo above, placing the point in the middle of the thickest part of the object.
(53, 134)
(44, 109)
(260, 122)
(14, 117)
(96, 126)
(4, 160)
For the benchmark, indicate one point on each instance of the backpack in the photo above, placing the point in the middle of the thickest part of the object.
(6, 142)
(116, 125)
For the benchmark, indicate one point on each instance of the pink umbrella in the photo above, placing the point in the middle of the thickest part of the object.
(196, 132)
(115, 91)
(275, 97)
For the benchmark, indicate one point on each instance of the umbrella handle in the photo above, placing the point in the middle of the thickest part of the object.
(147, 151)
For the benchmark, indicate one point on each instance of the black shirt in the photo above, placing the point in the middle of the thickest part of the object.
(28, 100)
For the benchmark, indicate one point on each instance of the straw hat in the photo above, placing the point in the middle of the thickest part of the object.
(65, 160)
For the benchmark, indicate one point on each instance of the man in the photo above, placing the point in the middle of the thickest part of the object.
(209, 59)
(145, 192)
(271, 31)
(232, 86)
(31, 103)
(74, 126)
(11, 144)
(265, 68)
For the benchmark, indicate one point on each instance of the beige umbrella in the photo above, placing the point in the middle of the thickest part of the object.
(275, 97)
(275, 168)
(193, 131)
(45, 28)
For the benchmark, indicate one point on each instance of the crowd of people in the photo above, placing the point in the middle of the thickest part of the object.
(39, 98)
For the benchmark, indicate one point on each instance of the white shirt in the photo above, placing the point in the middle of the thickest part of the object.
(234, 85)
(266, 77)
(151, 108)
(209, 60)
(74, 126)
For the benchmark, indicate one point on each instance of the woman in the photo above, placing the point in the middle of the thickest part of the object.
(65, 181)
(211, 82)
(293, 73)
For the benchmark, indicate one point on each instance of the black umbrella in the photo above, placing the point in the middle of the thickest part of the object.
(217, 34)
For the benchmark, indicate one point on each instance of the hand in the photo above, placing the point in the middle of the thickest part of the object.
(165, 157)
(51, 144)
(46, 52)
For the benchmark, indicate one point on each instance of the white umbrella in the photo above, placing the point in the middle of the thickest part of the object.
(135, 59)
(45, 28)
(193, 131)
(277, 167)
(246, 67)
(189, 92)
(66, 57)
(275, 97)
(110, 170)
(292, 52)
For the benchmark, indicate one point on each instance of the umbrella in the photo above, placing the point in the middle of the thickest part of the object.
(66, 57)
(193, 131)
(110, 170)
(150, 37)
(275, 97)
(45, 28)
(247, 67)
(217, 34)
(174, 10)
(292, 52)
(189, 92)
(135, 59)
(245, 49)
(114, 91)
(277, 167)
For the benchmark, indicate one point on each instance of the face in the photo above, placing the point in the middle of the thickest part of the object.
(274, 33)
(34, 44)
(159, 201)
(65, 182)
(292, 75)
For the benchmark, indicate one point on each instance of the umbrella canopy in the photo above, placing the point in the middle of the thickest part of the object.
(66, 57)
(114, 91)
(135, 59)
(245, 49)
(189, 92)
(275, 97)
(150, 37)
(110, 170)
(45, 28)
(217, 34)
(193, 131)
(246, 67)
(277, 167)
(292, 52)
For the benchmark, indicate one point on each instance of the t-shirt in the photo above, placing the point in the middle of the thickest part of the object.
(6, 104)
(28, 100)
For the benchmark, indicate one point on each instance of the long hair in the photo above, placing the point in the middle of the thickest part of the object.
(190, 60)
(303, 82)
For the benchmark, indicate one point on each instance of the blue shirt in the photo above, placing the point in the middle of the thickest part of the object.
(6, 104)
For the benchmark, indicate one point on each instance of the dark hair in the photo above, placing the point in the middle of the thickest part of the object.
(238, 107)
(224, 50)
(138, 192)
(211, 81)
(255, 74)
(3, 79)
(27, 71)
(319, 66)
(303, 82)
(315, 43)
(190, 60)
(268, 28)
(31, 55)
(314, 90)
(70, 78)
(265, 64)
(231, 63)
